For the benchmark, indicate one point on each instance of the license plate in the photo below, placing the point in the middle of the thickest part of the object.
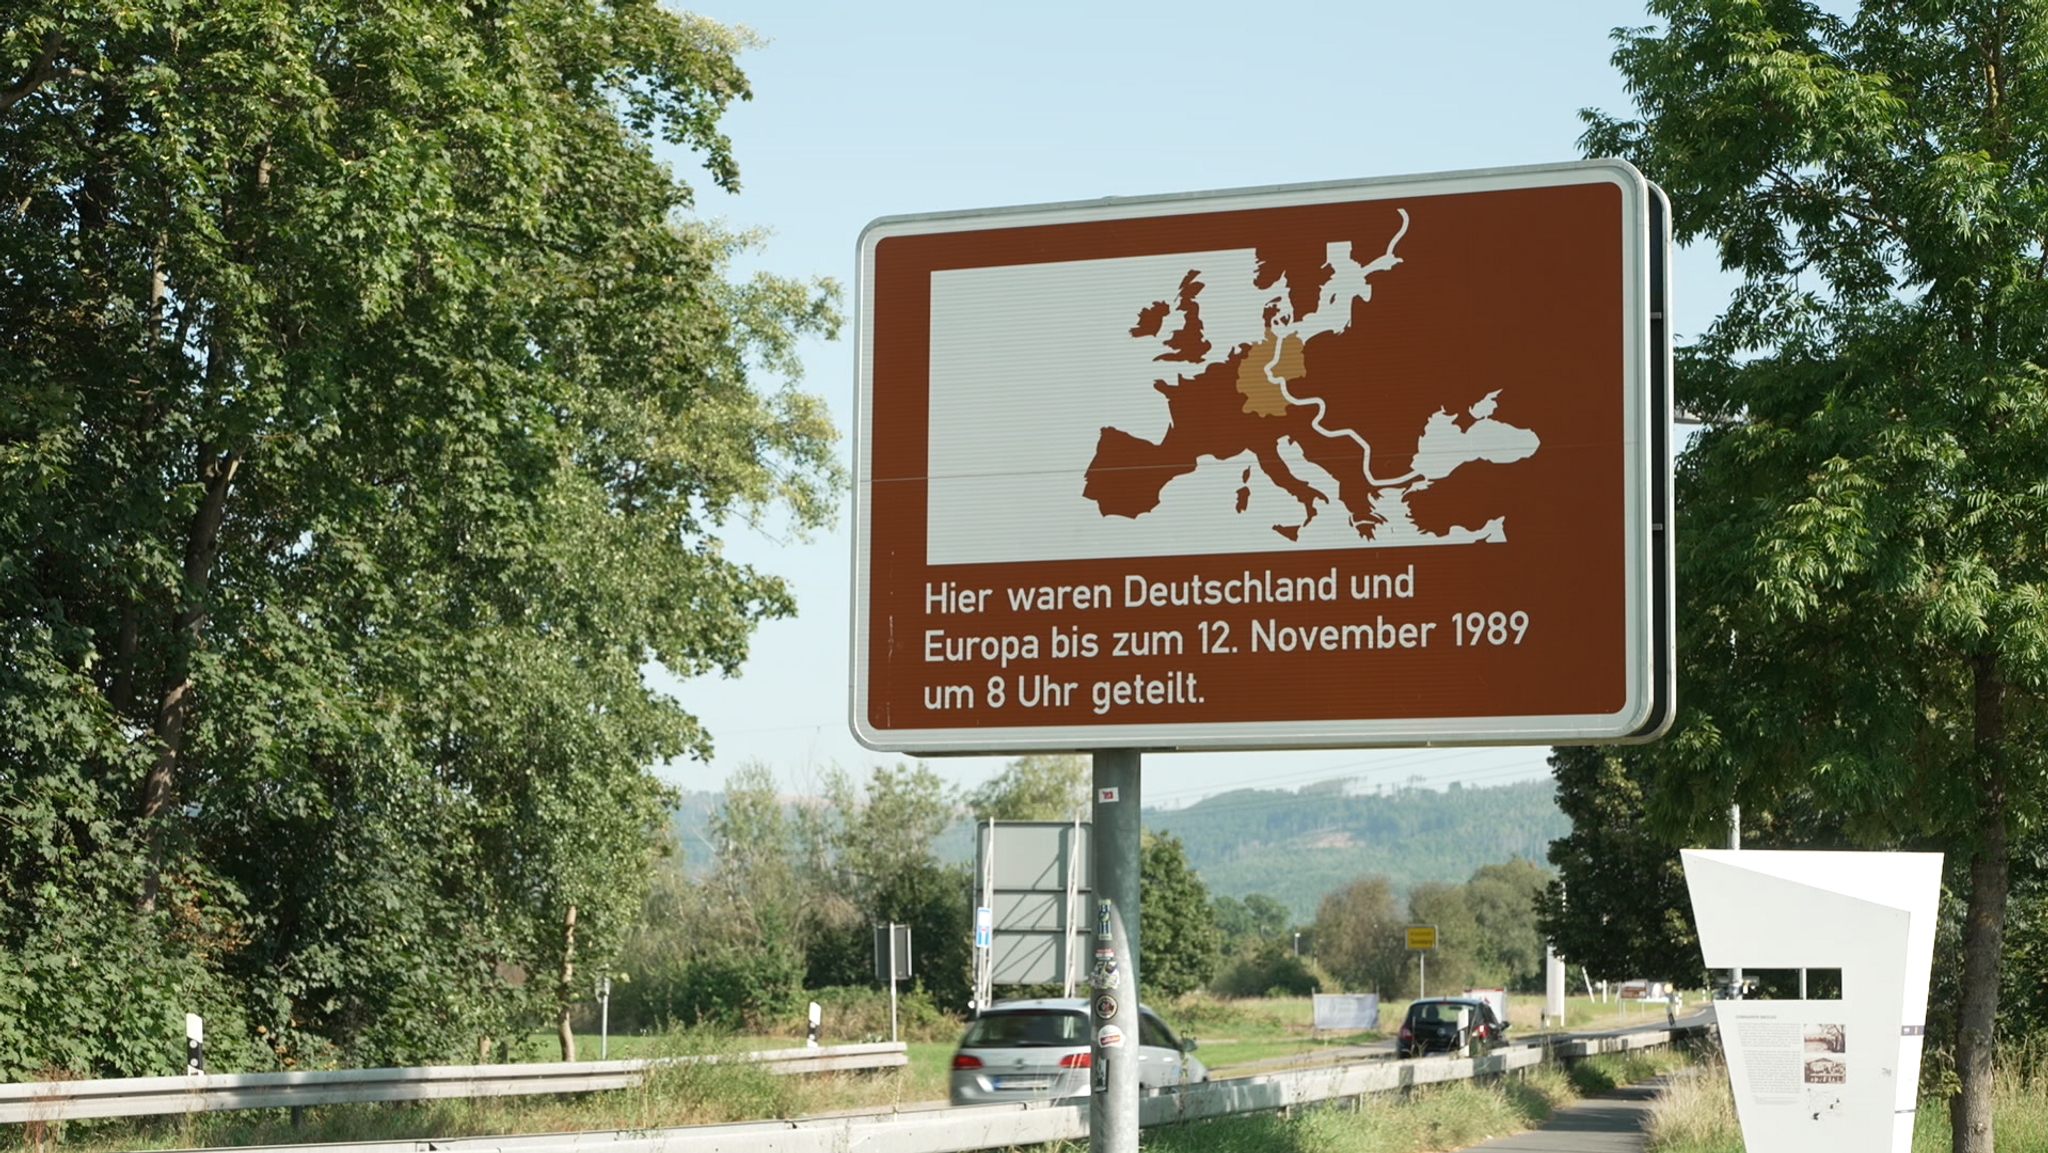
(1023, 1082)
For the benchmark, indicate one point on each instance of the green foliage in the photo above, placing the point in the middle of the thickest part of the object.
(1503, 898)
(1178, 946)
(792, 900)
(1041, 787)
(851, 1014)
(722, 986)
(369, 407)
(1454, 963)
(889, 826)
(1860, 524)
(1270, 969)
(1358, 935)
(1619, 905)
(1257, 915)
(1603, 1073)
(2023, 976)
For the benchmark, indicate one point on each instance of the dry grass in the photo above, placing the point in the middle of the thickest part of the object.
(1695, 1113)
(676, 1095)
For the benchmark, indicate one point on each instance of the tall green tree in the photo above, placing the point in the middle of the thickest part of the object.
(1861, 521)
(1618, 906)
(1039, 787)
(881, 843)
(1503, 898)
(1257, 916)
(1455, 962)
(1358, 936)
(1179, 946)
(370, 404)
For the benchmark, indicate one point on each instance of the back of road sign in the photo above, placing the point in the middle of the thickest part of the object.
(1370, 463)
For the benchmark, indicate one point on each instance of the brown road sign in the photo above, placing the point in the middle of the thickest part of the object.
(1373, 463)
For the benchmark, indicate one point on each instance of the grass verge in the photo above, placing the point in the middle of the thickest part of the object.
(1234, 1031)
(1448, 1116)
(676, 1095)
(1697, 1114)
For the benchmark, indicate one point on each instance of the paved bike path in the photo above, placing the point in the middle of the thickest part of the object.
(1609, 1124)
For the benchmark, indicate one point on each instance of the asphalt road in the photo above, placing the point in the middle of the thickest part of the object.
(1384, 1050)
(1610, 1124)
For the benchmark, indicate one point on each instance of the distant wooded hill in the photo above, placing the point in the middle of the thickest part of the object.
(1296, 845)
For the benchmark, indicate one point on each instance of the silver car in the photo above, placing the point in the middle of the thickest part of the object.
(1035, 1050)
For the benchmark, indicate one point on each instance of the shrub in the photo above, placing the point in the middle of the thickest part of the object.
(1272, 970)
(851, 1014)
(726, 986)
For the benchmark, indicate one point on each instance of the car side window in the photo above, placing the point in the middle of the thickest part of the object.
(1152, 1031)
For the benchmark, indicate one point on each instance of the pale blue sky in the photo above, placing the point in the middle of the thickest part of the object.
(886, 108)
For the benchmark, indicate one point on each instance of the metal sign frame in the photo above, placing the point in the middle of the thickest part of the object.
(918, 309)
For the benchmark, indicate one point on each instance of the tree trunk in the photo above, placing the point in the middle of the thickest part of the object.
(174, 703)
(1983, 929)
(565, 992)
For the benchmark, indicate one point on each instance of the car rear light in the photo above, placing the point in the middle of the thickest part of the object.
(1407, 1034)
(963, 1061)
(1077, 1060)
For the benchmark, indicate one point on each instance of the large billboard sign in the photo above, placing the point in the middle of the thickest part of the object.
(1369, 463)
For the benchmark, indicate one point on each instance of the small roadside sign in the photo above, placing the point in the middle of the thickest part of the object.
(892, 952)
(1421, 937)
(984, 926)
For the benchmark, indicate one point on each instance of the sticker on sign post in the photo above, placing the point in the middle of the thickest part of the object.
(1105, 1006)
(1110, 1037)
(1105, 975)
(1107, 796)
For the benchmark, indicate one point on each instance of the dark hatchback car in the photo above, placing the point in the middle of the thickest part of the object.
(1449, 1025)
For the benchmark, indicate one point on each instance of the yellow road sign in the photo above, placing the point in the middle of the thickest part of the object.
(1421, 937)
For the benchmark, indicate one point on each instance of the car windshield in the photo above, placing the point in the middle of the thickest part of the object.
(1023, 1027)
(1440, 1011)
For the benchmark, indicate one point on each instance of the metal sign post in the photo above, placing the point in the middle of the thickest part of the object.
(1113, 978)
(1075, 527)
(892, 962)
(1421, 939)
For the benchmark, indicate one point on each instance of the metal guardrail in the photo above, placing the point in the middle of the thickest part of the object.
(1619, 1042)
(143, 1096)
(930, 1128)
(940, 1129)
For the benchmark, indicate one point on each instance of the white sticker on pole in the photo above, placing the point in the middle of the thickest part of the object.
(1110, 1037)
(1107, 796)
